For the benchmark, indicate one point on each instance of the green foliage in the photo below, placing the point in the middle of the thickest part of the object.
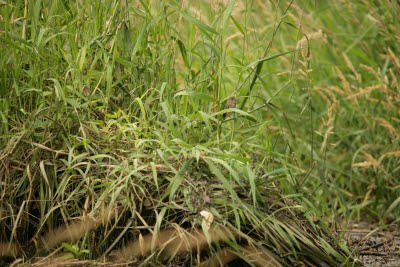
(111, 126)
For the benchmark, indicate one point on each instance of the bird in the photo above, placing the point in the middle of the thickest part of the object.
(230, 103)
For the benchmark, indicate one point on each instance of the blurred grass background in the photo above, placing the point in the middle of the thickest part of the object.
(118, 106)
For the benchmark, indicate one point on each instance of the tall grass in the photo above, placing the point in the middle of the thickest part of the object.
(112, 146)
(355, 92)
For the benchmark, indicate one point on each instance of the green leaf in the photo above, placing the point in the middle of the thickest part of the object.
(237, 25)
(196, 22)
(82, 57)
(241, 112)
(227, 14)
(73, 102)
(60, 93)
(228, 186)
(109, 81)
(196, 94)
(153, 168)
(206, 232)
(176, 181)
(269, 58)
(15, 45)
(182, 49)
(157, 228)
(168, 115)
(238, 158)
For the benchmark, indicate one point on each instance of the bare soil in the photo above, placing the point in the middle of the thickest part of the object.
(376, 246)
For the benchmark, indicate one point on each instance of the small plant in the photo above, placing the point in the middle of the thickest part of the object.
(72, 252)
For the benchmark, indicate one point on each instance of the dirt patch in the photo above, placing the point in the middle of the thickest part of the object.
(374, 245)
